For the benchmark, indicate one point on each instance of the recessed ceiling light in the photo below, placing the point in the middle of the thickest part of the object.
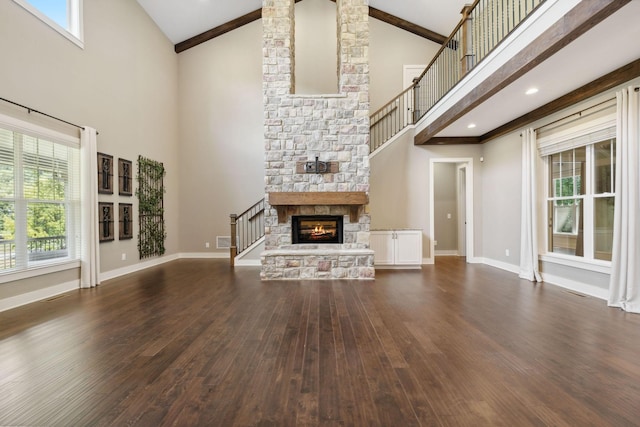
(532, 91)
(471, 125)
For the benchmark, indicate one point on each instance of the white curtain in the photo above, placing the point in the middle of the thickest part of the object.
(624, 286)
(90, 253)
(529, 268)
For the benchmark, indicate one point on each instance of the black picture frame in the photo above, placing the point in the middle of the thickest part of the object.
(105, 173)
(125, 177)
(105, 221)
(125, 220)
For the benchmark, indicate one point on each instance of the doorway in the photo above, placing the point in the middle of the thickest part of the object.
(464, 197)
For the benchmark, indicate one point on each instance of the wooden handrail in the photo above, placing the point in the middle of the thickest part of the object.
(393, 100)
(246, 229)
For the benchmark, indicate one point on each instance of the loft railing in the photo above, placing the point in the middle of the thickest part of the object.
(38, 248)
(246, 229)
(484, 24)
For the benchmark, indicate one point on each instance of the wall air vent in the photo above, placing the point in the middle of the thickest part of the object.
(223, 242)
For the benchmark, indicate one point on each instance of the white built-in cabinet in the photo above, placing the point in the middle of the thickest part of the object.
(400, 248)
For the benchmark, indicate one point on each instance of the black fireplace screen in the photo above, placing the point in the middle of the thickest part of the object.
(316, 229)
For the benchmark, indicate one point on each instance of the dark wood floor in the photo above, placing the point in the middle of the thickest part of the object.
(192, 343)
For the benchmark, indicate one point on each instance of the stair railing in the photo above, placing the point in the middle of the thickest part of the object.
(484, 24)
(246, 229)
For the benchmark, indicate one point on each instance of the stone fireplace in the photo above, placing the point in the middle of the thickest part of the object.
(316, 153)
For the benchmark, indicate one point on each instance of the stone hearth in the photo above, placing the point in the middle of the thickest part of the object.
(331, 128)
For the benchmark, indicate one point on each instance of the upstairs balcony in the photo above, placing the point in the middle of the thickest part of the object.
(474, 88)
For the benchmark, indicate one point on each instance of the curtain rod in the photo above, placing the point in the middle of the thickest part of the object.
(30, 110)
(579, 113)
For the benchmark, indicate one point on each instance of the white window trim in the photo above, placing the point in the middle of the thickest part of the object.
(37, 131)
(590, 264)
(74, 11)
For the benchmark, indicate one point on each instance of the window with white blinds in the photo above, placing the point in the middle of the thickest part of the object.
(39, 199)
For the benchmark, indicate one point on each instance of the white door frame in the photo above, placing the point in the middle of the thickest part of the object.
(462, 162)
(461, 197)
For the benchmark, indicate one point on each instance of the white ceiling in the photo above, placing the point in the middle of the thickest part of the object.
(183, 19)
(606, 47)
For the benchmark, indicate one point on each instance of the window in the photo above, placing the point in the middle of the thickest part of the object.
(64, 16)
(39, 200)
(581, 199)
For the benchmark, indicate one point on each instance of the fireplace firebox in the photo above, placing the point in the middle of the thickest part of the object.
(316, 229)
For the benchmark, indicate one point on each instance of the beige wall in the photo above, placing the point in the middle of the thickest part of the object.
(316, 41)
(502, 174)
(221, 116)
(221, 134)
(123, 83)
(389, 49)
(400, 182)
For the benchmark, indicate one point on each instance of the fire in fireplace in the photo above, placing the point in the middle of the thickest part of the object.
(316, 229)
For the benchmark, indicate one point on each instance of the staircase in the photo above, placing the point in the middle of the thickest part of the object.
(484, 25)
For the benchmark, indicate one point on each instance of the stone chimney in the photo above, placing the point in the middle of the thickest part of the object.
(334, 128)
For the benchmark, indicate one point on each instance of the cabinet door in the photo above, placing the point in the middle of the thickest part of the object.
(382, 244)
(408, 248)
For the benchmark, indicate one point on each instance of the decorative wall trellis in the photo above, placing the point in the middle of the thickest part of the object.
(150, 194)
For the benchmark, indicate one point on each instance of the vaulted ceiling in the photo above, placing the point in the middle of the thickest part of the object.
(564, 78)
(182, 20)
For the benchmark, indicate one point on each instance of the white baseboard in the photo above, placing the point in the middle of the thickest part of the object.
(40, 294)
(240, 262)
(112, 274)
(501, 265)
(428, 261)
(579, 287)
(204, 255)
(551, 279)
(452, 252)
(398, 267)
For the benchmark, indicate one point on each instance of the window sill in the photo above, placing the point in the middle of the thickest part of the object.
(39, 271)
(576, 262)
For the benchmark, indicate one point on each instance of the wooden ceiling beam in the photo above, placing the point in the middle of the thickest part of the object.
(257, 14)
(218, 31)
(454, 140)
(406, 25)
(608, 81)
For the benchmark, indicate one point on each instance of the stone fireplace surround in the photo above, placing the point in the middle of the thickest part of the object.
(301, 128)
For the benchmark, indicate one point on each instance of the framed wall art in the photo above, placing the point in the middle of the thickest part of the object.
(105, 221)
(125, 219)
(125, 175)
(105, 173)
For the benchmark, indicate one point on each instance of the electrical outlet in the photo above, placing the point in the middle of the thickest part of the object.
(124, 256)
(206, 245)
(435, 243)
(448, 216)
(506, 252)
